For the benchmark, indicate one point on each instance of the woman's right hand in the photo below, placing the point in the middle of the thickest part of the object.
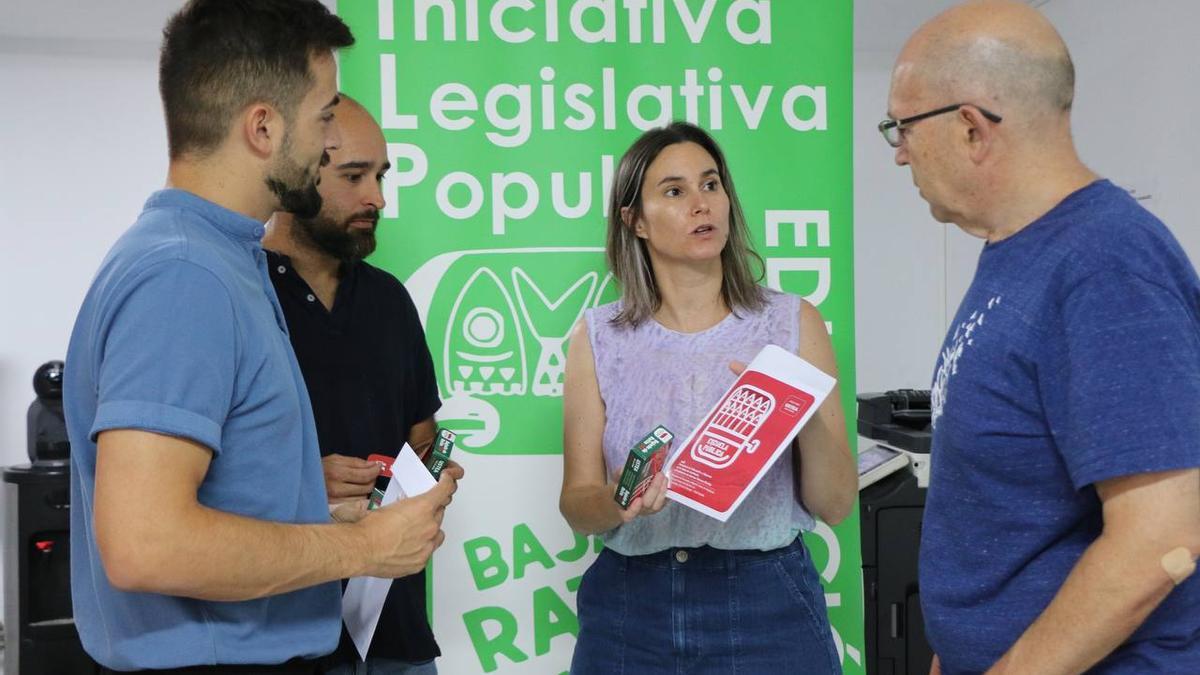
(650, 502)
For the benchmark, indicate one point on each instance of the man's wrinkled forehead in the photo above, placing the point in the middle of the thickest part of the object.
(363, 165)
(363, 145)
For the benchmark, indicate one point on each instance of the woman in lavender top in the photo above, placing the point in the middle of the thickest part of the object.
(674, 590)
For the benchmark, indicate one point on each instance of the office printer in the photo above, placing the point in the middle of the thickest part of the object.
(893, 477)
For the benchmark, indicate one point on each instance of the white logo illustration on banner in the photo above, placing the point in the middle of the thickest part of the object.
(495, 330)
(729, 432)
(551, 333)
(490, 357)
(951, 354)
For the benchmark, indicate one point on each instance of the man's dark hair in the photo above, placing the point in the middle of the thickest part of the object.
(219, 56)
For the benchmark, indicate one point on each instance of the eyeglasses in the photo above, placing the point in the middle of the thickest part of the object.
(891, 128)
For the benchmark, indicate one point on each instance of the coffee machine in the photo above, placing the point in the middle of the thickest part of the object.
(41, 635)
(46, 428)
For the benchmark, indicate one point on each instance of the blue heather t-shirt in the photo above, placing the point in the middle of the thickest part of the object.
(181, 334)
(1074, 358)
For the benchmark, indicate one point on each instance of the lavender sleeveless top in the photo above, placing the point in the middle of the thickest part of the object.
(651, 375)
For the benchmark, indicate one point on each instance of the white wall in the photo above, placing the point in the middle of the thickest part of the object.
(1137, 68)
(900, 252)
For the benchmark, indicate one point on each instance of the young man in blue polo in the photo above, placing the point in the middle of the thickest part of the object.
(201, 539)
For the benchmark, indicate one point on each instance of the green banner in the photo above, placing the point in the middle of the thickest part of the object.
(504, 121)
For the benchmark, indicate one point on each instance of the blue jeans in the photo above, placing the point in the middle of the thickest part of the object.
(704, 610)
(374, 666)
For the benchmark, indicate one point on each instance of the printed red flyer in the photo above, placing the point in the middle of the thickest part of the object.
(747, 430)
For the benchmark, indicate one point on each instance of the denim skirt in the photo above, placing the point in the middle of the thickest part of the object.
(704, 610)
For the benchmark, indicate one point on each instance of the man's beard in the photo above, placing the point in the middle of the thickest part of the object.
(336, 238)
(297, 188)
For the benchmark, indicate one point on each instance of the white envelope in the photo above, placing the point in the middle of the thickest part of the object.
(363, 600)
(745, 432)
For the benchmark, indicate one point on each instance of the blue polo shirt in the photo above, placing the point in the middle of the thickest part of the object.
(181, 334)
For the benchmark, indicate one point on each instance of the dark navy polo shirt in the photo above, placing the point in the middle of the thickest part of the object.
(371, 378)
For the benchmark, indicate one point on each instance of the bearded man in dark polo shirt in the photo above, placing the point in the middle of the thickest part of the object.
(361, 348)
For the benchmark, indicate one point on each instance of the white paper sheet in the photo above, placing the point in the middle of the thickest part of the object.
(363, 600)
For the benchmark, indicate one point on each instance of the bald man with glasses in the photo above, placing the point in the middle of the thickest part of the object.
(1063, 516)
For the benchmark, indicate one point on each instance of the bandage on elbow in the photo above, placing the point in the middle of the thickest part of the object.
(1179, 564)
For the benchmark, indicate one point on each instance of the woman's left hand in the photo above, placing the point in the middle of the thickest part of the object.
(650, 502)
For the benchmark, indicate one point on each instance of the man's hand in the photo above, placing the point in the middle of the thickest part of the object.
(401, 536)
(348, 478)
(184, 548)
(348, 511)
(935, 668)
(454, 469)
